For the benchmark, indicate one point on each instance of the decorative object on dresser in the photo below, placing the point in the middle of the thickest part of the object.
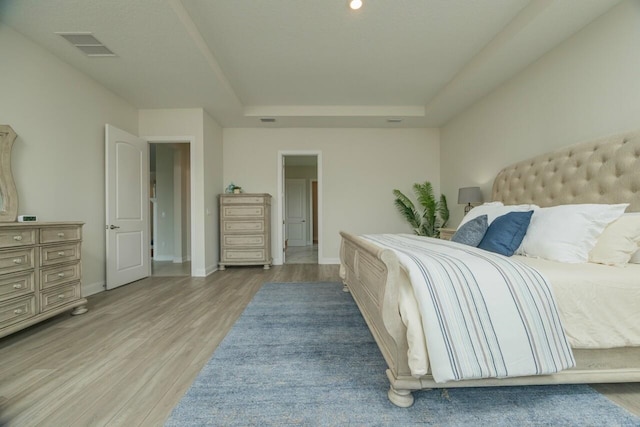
(245, 229)
(40, 272)
(469, 195)
(8, 193)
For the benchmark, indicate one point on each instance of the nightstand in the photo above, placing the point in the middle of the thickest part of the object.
(446, 233)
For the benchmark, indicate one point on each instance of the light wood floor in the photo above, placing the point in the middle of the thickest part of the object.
(302, 254)
(129, 360)
(170, 268)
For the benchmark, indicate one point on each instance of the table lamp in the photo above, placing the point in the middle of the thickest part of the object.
(469, 195)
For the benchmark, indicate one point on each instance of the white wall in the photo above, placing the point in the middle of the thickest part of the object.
(193, 124)
(58, 158)
(588, 87)
(360, 168)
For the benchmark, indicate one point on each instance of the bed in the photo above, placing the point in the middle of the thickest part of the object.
(605, 171)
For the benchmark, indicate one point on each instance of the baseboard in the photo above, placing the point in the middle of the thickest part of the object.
(329, 261)
(163, 258)
(204, 272)
(179, 260)
(93, 288)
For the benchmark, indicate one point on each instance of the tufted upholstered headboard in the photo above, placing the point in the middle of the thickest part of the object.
(602, 171)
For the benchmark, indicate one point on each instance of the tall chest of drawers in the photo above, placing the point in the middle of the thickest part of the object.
(245, 230)
(40, 272)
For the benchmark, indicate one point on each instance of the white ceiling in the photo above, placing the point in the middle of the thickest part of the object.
(305, 62)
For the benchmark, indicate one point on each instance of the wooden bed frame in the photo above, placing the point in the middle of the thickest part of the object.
(603, 171)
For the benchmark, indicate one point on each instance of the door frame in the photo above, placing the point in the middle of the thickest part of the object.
(184, 140)
(279, 229)
(311, 222)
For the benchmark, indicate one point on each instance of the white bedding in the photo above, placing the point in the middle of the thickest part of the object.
(483, 315)
(599, 306)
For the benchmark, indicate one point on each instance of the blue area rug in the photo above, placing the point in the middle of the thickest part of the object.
(301, 354)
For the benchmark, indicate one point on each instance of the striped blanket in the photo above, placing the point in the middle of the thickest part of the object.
(484, 315)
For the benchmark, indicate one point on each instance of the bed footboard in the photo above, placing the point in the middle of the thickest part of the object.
(371, 274)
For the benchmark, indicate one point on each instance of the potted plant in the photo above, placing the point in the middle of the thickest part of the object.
(434, 215)
(232, 188)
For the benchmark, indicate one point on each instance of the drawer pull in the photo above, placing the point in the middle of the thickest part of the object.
(60, 234)
(17, 261)
(17, 238)
(61, 253)
(18, 311)
(61, 296)
(60, 274)
(17, 286)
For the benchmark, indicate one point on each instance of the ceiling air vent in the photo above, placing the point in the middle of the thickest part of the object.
(267, 120)
(87, 43)
(394, 120)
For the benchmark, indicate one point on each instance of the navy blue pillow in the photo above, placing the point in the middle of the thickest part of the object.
(472, 232)
(506, 232)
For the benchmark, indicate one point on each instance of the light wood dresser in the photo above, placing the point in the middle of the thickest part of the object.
(40, 272)
(245, 230)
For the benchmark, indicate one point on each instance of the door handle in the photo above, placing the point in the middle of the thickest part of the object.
(112, 227)
(304, 220)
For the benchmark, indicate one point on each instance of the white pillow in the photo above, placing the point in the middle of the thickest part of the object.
(635, 258)
(618, 242)
(567, 233)
(493, 210)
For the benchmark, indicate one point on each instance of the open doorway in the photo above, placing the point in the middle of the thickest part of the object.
(170, 209)
(300, 208)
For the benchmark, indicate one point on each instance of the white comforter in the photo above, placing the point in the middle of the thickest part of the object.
(483, 315)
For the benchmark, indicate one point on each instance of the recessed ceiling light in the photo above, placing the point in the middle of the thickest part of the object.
(355, 4)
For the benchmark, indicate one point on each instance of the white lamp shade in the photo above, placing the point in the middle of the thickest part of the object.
(469, 195)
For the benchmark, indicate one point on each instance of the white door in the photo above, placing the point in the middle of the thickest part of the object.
(127, 202)
(296, 211)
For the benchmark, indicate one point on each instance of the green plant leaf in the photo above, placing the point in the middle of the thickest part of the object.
(424, 193)
(434, 214)
(443, 211)
(407, 209)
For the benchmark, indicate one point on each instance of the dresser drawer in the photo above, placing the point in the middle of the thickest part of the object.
(15, 311)
(243, 226)
(61, 295)
(242, 200)
(243, 255)
(16, 260)
(58, 275)
(17, 237)
(14, 285)
(60, 234)
(243, 211)
(58, 254)
(243, 240)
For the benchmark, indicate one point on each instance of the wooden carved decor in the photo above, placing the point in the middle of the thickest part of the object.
(8, 193)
